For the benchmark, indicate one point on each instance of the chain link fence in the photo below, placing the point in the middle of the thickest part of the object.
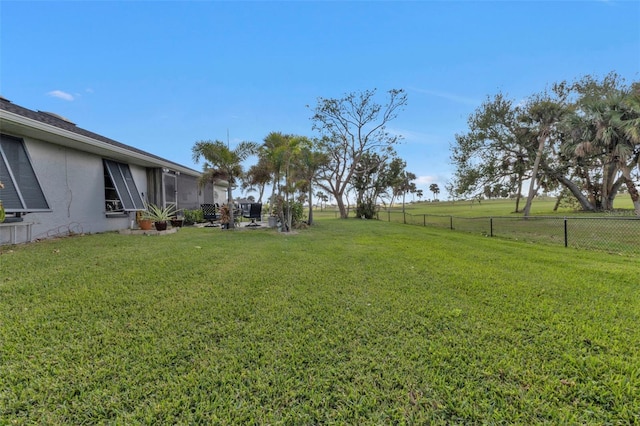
(616, 234)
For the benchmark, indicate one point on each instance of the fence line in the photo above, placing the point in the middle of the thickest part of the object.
(620, 234)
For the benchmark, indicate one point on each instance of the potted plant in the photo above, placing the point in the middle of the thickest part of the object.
(273, 217)
(177, 219)
(160, 215)
(144, 221)
(225, 216)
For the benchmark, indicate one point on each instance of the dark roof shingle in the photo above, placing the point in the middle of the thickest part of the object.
(59, 122)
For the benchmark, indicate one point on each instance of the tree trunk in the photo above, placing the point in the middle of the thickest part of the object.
(519, 194)
(274, 194)
(582, 199)
(631, 187)
(282, 219)
(341, 207)
(393, 198)
(311, 205)
(607, 176)
(534, 174)
(232, 223)
(288, 202)
(261, 193)
(589, 187)
(615, 188)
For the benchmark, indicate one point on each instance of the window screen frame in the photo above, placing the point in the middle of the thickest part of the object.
(23, 192)
(125, 187)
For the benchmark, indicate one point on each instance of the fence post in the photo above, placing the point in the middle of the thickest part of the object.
(451, 222)
(424, 220)
(491, 226)
(404, 217)
(566, 235)
(389, 215)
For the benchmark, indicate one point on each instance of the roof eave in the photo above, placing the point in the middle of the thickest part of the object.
(20, 125)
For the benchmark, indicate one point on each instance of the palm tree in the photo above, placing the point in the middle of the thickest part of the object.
(542, 114)
(272, 155)
(288, 153)
(324, 199)
(605, 139)
(616, 121)
(405, 185)
(221, 162)
(258, 176)
(308, 163)
(602, 140)
(631, 123)
(631, 127)
(277, 153)
(435, 190)
(610, 132)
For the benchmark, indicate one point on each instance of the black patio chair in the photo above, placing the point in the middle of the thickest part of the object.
(210, 212)
(252, 211)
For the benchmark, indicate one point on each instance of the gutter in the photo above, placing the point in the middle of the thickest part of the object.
(23, 125)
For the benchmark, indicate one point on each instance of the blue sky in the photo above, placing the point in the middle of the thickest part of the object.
(161, 75)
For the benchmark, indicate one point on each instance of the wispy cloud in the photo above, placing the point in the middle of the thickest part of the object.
(425, 180)
(448, 96)
(412, 136)
(61, 95)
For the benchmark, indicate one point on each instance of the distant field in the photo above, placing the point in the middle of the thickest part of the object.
(606, 231)
(542, 206)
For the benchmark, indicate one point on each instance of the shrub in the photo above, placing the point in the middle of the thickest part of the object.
(193, 216)
(366, 209)
(297, 211)
(297, 214)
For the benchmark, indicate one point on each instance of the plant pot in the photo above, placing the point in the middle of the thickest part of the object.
(145, 224)
(176, 223)
(161, 225)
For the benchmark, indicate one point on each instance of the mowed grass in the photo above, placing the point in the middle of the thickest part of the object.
(613, 232)
(349, 322)
(541, 206)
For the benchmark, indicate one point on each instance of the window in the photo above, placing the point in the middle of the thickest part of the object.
(22, 192)
(120, 192)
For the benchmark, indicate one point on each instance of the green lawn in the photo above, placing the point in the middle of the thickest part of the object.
(349, 322)
(499, 207)
(612, 232)
(542, 206)
(496, 207)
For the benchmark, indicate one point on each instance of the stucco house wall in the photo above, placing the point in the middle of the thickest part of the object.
(68, 164)
(73, 183)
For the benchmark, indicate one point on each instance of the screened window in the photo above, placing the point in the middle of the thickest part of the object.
(22, 192)
(120, 191)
